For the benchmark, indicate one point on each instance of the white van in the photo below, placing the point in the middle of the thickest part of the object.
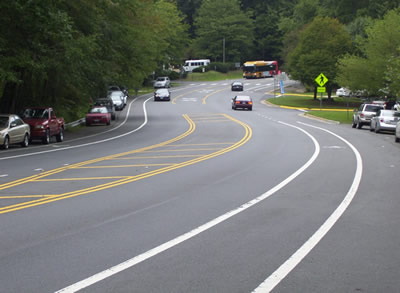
(192, 64)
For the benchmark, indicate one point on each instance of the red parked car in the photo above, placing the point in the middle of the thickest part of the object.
(98, 115)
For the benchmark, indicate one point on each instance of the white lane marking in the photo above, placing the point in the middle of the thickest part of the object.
(276, 277)
(167, 245)
(4, 175)
(94, 142)
(189, 99)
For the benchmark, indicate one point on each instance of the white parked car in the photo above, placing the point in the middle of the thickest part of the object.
(343, 92)
(385, 120)
(397, 132)
(162, 82)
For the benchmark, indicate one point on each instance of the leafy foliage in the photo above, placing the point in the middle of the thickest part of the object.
(219, 20)
(320, 45)
(62, 53)
(377, 70)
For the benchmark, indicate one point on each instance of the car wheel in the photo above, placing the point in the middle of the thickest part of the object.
(376, 129)
(25, 142)
(359, 125)
(370, 127)
(396, 139)
(6, 143)
(108, 122)
(60, 136)
(113, 116)
(46, 138)
(251, 108)
(353, 124)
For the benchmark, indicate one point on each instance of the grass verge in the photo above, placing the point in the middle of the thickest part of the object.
(306, 101)
(342, 117)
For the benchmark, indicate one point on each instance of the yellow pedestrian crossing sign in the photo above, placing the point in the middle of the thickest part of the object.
(321, 79)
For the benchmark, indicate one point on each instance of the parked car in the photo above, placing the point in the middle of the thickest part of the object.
(44, 124)
(397, 132)
(362, 115)
(98, 115)
(385, 120)
(108, 103)
(13, 130)
(117, 101)
(243, 102)
(162, 82)
(237, 86)
(343, 92)
(162, 95)
(123, 96)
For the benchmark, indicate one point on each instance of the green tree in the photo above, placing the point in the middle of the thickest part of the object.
(62, 52)
(320, 45)
(218, 20)
(377, 70)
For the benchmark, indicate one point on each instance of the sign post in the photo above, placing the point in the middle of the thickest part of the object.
(321, 80)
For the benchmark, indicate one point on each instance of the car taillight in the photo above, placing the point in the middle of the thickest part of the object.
(250, 103)
(362, 115)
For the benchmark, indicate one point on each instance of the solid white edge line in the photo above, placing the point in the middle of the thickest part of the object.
(163, 247)
(276, 277)
(94, 142)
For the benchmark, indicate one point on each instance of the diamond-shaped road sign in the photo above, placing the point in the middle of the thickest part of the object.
(321, 79)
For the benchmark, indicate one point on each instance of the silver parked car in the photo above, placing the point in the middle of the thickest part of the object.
(397, 132)
(13, 130)
(162, 82)
(385, 120)
(363, 115)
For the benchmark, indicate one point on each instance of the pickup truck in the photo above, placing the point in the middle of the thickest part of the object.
(44, 124)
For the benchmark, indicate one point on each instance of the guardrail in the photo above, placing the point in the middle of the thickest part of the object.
(75, 123)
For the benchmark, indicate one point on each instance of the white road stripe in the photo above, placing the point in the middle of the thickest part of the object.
(167, 245)
(276, 277)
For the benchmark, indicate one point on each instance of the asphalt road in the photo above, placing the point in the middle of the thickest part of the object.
(192, 196)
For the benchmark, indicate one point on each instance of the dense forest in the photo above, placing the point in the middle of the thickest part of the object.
(63, 53)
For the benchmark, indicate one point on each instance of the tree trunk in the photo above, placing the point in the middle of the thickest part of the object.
(315, 93)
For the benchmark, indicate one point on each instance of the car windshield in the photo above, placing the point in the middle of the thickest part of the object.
(3, 122)
(388, 113)
(372, 108)
(116, 98)
(98, 110)
(160, 78)
(251, 68)
(35, 113)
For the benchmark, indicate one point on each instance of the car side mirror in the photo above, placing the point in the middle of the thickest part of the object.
(13, 124)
